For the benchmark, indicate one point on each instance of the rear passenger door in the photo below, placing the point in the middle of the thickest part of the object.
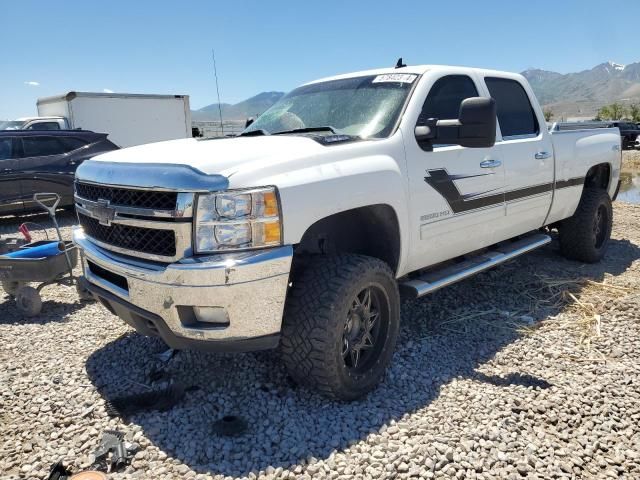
(47, 167)
(527, 155)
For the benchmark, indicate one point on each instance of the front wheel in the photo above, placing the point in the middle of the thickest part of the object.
(585, 236)
(341, 323)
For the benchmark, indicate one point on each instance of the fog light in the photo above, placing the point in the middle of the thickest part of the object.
(213, 315)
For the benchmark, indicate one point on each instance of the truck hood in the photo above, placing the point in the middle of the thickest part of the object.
(223, 156)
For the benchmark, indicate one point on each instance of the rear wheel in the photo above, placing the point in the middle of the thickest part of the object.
(585, 236)
(341, 323)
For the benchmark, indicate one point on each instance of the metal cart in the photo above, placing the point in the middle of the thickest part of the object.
(17, 273)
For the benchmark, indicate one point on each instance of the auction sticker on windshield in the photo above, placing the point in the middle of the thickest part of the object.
(395, 77)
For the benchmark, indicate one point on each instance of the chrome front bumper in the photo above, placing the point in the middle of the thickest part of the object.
(250, 286)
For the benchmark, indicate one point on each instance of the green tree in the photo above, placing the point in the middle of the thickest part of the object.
(603, 113)
(634, 112)
(548, 114)
(615, 111)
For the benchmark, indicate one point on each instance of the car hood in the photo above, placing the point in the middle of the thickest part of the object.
(221, 156)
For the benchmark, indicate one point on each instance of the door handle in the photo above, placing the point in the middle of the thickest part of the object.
(490, 164)
(542, 155)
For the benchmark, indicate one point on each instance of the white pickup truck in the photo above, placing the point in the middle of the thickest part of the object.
(300, 233)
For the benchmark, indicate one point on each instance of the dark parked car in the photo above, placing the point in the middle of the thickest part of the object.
(629, 132)
(34, 161)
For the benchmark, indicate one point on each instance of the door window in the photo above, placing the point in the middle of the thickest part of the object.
(42, 146)
(6, 148)
(72, 143)
(44, 126)
(515, 113)
(445, 97)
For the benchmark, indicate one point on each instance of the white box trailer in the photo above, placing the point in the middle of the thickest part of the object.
(129, 119)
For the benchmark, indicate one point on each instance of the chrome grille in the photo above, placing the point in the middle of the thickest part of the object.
(128, 197)
(150, 224)
(144, 240)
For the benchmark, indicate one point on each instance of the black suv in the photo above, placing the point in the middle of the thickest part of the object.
(34, 161)
(629, 132)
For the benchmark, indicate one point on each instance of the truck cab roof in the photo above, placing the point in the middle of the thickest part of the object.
(420, 70)
(28, 119)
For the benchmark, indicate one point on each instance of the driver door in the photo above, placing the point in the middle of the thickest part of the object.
(457, 196)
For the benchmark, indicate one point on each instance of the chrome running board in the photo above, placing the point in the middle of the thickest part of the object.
(436, 279)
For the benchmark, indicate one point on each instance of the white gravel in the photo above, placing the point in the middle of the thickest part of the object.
(493, 378)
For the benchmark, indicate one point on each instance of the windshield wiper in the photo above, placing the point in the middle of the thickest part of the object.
(326, 128)
(254, 133)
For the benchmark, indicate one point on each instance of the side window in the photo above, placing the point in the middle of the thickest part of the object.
(515, 113)
(445, 97)
(6, 148)
(42, 146)
(44, 126)
(72, 143)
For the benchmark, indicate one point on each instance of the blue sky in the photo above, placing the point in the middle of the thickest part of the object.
(141, 46)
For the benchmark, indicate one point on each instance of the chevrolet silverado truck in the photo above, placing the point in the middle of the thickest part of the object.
(300, 233)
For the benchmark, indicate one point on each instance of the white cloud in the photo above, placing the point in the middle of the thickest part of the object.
(32, 83)
(107, 90)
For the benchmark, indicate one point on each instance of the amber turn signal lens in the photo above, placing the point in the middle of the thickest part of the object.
(272, 232)
(270, 204)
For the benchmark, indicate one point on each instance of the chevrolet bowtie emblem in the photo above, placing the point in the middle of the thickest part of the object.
(103, 212)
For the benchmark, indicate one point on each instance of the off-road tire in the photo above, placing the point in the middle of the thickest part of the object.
(316, 310)
(578, 240)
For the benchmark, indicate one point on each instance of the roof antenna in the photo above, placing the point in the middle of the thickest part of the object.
(215, 72)
(399, 63)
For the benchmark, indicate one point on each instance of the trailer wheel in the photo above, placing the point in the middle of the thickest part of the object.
(340, 326)
(28, 301)
(11, 287)
(585, 236)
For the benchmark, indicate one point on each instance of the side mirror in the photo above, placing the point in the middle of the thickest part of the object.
(248, 122)
(474, 128)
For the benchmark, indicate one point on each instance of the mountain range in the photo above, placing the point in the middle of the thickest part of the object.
(251, 107)
(578, 94)
(583, 93)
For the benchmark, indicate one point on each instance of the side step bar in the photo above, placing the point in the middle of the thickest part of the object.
(435, 280)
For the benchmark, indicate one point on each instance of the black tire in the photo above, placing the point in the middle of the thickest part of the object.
(330, 341)
(585, 236)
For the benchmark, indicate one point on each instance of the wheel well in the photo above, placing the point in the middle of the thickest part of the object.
(598, 176)
(371, 230)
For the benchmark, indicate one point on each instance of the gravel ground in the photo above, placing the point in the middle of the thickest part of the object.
(529, 370)
(631, 159)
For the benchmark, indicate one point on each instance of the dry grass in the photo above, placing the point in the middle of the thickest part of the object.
(579, 303)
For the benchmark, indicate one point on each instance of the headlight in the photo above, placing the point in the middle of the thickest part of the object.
(237, 220)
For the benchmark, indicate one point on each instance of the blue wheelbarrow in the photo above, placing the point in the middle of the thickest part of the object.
(45, 262)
